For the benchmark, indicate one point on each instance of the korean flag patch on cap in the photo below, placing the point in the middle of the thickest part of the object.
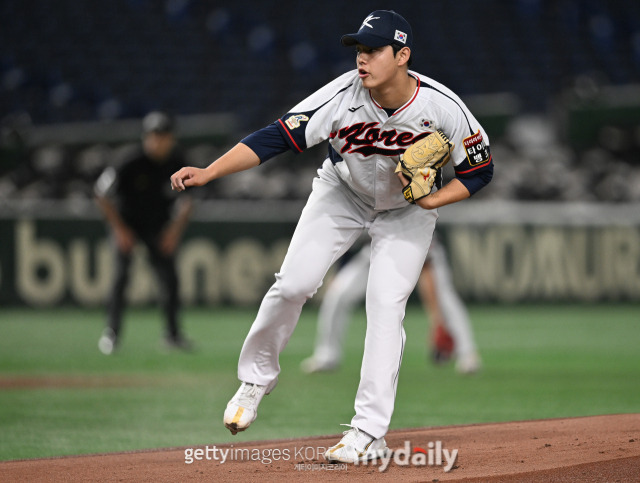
(400, 36)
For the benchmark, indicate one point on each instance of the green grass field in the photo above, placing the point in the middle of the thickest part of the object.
(539, 362)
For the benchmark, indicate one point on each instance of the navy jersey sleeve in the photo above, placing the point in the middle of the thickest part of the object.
(268, 142)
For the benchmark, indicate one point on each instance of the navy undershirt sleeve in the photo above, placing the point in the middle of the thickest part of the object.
(267, 142)
(478, 180)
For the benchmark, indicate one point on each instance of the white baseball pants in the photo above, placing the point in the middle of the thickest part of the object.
(456, 317)
(330, 223)
(348, 289)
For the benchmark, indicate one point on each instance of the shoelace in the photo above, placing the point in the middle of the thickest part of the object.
(344, 433)
(248, 394)
(354, 433)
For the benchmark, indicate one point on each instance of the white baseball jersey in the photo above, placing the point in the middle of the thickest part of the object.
(369, 141)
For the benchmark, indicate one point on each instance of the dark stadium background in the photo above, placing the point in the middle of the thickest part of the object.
(68, 62)
(555, 83)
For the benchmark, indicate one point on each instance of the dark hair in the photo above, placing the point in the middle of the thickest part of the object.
(397, 48)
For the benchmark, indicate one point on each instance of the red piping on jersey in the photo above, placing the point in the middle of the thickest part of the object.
(415, 94)
(412, 99)
(290, 136)
(374, 101)
(476, 167)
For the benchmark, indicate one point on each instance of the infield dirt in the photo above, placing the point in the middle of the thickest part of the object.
(587, 449)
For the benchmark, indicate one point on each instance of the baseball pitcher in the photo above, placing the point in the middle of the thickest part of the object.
(370, 116)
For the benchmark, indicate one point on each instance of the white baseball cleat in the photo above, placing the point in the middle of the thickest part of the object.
(312, 365)
(108, 342)
(242, 409)
(469, 363)
(357, 446)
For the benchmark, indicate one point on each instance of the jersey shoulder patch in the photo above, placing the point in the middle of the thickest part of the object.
(476, 149)
(293, 122)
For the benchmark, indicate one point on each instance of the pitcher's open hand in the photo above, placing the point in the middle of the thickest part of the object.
(187, 177)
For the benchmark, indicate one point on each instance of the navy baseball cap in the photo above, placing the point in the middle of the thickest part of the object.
(380, 28)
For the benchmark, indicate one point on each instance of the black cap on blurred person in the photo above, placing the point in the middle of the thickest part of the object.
(158, 122)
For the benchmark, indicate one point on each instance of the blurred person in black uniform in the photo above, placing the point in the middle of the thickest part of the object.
(139, 206)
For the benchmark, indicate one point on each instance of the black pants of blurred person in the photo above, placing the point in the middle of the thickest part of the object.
(164, 267)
